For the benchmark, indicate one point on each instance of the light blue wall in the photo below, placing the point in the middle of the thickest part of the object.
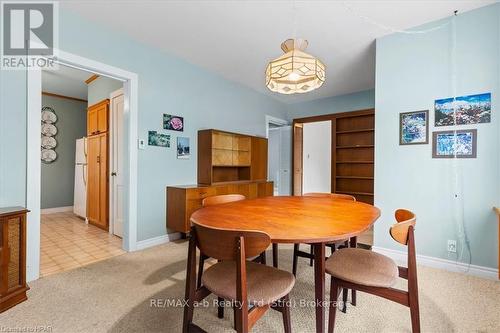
(413, 71)
(166, 85)
(12, 138)
(58, 177)
(100, 89)
(342, 103)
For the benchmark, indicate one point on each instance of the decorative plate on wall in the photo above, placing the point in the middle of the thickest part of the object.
(48, 142)
(49, 130)
(48, 115)
(48, 155)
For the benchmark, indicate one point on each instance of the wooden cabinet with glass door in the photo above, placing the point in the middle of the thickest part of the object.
(225, 157)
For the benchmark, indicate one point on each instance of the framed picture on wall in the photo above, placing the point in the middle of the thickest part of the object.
(414, 128)
(158, 139)
(182, 147)
(447, 144)
(463, 110)
(173, 123)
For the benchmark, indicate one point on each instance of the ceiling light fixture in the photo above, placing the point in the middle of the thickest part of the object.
(296, 71)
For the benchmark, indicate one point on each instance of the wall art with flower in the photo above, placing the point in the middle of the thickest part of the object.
(173, 123)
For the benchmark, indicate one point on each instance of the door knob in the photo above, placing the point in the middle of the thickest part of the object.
(113, 173)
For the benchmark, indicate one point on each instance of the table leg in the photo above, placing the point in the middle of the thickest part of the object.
(319, 285)
(275, 255)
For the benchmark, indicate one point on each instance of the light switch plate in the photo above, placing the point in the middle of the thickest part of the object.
(142, 144)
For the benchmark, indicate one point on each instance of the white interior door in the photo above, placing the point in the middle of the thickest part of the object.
(116, 165)
(285, 175)
(317, 161)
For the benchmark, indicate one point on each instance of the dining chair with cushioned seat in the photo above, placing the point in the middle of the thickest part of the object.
(333, 246)
(210, 201)
(253, 288)
(374, 273)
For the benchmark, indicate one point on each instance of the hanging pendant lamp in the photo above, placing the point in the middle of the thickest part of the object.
(296, 71)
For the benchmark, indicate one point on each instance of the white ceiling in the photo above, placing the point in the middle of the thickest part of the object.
(236, 39)
(65, 81)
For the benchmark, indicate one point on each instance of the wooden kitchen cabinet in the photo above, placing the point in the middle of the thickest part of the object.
(97, 184)
(97, 118)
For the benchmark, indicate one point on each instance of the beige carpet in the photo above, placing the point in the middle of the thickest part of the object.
(115, 296)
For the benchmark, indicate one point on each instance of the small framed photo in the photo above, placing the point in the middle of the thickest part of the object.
(158, 139)
(182, 147)
(414, 128)
(173, 123)
(447, 144)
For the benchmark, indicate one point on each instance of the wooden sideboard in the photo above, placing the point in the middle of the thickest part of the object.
(13, 285)
(183, 200)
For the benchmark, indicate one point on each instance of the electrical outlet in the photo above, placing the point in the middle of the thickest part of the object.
(452, 245)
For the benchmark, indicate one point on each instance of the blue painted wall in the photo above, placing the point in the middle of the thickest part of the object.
(12, 138)
(166, 85)
(100, 89)
(413, 71)
(58, 177)
(343, 103)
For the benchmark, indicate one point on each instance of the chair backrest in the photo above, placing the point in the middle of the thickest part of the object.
(222, 199)
(337, 196)
(222, 244)
(399, 231)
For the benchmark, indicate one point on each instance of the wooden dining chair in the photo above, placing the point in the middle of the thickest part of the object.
(344, 242)
(253, 287)
(211, 201)
(374, 273)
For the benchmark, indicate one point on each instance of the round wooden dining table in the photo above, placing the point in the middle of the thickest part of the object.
(295, 219)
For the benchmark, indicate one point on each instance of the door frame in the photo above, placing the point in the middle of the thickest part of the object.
(112, 134)
(298, 122)
(33, 169)
(276, 121)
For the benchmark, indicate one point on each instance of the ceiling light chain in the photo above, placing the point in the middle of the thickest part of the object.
(391, 29)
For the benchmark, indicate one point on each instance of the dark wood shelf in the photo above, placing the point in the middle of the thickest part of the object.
(355, 193)
(356, 146)
(354, 162)
(231, 166)
(354, 177)
(356, 131)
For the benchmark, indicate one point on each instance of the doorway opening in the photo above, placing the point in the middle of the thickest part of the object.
(81, 156)
(335, 153)
(279, 136)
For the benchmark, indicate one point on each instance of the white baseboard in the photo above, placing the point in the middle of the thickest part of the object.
(401, 257)
(56, 210)
(144, 244)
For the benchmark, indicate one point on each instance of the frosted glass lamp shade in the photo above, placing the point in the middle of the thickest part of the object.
(295, 71)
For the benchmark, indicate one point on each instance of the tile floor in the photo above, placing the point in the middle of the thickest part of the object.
(67, 242)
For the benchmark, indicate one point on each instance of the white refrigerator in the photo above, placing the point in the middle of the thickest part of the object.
(80, 195)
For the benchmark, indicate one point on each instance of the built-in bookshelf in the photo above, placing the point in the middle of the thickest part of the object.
(353, 154)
